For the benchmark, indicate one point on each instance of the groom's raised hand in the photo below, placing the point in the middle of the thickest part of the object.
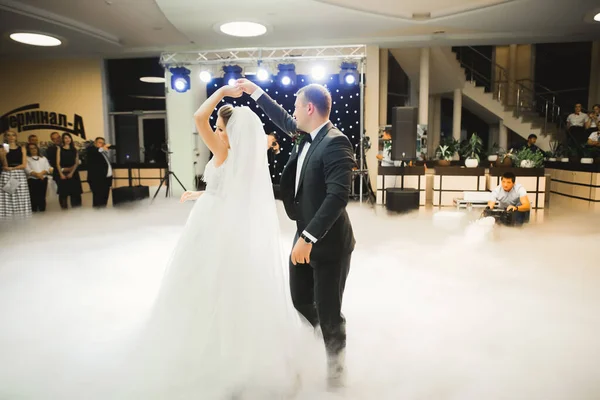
(247, 86)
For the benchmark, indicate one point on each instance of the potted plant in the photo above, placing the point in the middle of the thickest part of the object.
(504, 159)
(387, 150)
(472, 150)
(525, 158)
(494, 152)
(446, 151)
(553, 153)
(562, 153)
(589, 153)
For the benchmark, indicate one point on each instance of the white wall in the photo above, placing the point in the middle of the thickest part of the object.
(180, 131)
(63, 88)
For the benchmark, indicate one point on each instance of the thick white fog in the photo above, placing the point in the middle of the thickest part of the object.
(436, 309)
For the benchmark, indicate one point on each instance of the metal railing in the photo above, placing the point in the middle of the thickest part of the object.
(521, 96)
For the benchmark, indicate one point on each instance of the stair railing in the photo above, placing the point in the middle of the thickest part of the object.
(500, 85)
(497, 82)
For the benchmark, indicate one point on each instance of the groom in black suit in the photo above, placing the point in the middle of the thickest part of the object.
(100, 174)
(315, 185)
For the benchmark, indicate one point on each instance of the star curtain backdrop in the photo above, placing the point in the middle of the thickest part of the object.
(320, 64)
(345, 112)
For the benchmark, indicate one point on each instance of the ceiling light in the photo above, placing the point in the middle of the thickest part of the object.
(243, 29)
(152, 79)
(597, 17)
(35, 39)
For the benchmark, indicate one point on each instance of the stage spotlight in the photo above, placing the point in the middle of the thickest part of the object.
(287, 74)
(180, 79)
(318, 73)
(232, 74)
(348, 74)
(262, 74)
(205, 76)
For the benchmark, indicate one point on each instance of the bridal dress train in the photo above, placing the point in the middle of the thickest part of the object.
(223, 324)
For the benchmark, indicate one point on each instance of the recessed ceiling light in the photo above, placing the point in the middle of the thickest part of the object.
(35, 39)
(597, 17)
(243, 29)
(152, 79)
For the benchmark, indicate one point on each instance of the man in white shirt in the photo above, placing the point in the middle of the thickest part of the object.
(593, 119)
(594, 139)
(37, 171)
(511, 196)
(577, 123)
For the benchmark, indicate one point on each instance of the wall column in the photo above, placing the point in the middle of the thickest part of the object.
(383, 86)
(502, 135)
(371, 111)
(457, 114)
(424, 86)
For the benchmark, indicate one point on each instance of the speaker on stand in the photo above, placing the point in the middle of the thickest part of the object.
(404, 133)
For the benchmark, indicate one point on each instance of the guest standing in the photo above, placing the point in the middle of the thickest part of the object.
(51, 156)
(100, 173)
(14, 192)
(69, 183)
(37, 171)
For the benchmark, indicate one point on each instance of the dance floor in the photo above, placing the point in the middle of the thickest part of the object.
(434, 311)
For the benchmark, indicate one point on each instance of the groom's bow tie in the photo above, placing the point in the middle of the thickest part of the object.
(308, 137)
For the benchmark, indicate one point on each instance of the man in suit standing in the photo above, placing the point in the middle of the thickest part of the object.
(315, 185)
(100, 172)
(51, 151)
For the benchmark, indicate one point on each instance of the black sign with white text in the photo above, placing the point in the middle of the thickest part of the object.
(32, 118)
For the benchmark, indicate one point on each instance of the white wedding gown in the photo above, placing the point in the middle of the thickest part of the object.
(223, 325)
(223, 322)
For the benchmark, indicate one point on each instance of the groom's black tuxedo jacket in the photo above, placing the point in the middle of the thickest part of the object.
(319, 205)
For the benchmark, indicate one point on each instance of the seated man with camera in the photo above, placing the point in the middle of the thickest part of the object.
(512, 198)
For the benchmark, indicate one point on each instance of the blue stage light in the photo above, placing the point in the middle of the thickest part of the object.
(287, 74)
(348, 74)
(180, 79)
(232, 74)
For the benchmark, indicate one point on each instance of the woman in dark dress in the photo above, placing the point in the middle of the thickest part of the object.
(14, 192)
(69, 183)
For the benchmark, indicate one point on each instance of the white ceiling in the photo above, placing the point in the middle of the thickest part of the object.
(115, 28)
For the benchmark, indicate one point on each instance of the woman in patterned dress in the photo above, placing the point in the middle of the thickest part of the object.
(14, 192)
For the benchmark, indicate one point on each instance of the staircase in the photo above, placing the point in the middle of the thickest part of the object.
(529, 113)
(486, 94)
(524, 125)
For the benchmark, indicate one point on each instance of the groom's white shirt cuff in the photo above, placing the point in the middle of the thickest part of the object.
(257, 93)
(311, 237)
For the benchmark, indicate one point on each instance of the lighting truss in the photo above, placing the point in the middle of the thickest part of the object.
(254, 55)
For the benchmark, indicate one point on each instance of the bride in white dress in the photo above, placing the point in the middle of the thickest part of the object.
(223, 324)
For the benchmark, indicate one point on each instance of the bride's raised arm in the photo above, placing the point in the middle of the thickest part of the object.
(202, 115)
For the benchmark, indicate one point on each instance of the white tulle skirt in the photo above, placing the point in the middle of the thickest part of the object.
(222, 324)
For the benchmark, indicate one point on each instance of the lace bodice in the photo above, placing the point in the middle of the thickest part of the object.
(213, 175)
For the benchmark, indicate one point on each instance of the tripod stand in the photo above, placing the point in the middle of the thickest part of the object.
(363, 172)
(166, 179)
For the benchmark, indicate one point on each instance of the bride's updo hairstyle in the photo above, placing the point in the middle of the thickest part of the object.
(225, 113)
